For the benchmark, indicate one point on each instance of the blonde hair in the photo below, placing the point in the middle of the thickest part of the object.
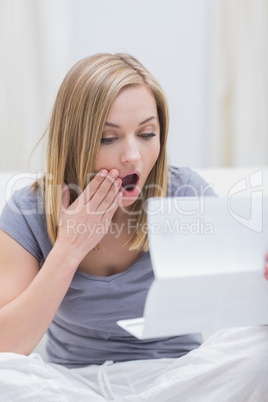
(76, 127)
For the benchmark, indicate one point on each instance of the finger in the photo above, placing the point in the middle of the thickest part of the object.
(90, 189)
(94, 184)
(107, 216)
(65, 201)
(106, 191)
(266, 269)
(108, 201)
(79, 203)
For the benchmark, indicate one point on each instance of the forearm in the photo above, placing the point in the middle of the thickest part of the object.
(24, 320)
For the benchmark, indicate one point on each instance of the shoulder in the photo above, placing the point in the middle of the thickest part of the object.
(25, 201)
(23, 218)
(185, 182)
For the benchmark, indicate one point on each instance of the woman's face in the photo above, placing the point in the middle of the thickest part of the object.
(131, 140)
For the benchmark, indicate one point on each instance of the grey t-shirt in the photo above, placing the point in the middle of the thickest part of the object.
(84, 329)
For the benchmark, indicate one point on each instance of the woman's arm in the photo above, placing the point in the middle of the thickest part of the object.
(29, 297)
(29, 300)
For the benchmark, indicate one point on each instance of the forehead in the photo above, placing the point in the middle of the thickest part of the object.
(133, 100)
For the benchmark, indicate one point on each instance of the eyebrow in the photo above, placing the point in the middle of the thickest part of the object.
(140, 124)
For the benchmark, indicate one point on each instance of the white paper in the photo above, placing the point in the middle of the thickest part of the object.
(208, 259)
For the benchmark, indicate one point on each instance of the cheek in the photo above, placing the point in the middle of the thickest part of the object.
(102, 160)
(153, 154)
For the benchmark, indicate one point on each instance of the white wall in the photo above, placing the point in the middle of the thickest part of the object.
(171, 39)
(217, 106)
(34, 47)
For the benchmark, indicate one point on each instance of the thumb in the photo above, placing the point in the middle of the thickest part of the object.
(65, 201)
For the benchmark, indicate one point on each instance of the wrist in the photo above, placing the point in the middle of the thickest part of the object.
(62, 256)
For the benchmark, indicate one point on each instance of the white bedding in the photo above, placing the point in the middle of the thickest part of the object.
(231, 366)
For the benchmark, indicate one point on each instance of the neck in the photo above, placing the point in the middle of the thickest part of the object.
(123, 214)
(119, 216)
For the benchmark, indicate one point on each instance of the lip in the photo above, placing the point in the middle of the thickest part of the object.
(131, 172)
(135, 191)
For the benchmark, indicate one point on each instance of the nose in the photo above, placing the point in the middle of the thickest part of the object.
(130, 151)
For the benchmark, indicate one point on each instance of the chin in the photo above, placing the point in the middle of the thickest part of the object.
(126, 202)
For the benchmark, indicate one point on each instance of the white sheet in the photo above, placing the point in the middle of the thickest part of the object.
(231, 366)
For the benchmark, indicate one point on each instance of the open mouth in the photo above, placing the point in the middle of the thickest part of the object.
(129, 182)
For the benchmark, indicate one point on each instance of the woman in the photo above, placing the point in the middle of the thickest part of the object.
(83, 224)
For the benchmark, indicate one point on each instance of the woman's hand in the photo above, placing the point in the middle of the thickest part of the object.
(85, 222)
(266, 267)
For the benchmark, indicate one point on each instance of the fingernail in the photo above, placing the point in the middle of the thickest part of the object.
(117, 182)
(113, 173)
(103, 173)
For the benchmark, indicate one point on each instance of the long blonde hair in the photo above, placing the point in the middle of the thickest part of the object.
(75, 130)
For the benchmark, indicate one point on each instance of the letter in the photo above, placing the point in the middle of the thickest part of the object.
(256, 201)
(71, 225)
(170, 229)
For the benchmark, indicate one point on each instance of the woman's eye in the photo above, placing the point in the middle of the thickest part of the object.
(108, 140)
(147, 136)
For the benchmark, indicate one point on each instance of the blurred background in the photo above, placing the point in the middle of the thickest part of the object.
(210, 56)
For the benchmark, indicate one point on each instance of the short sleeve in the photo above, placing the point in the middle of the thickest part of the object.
(184, 182)
(19, 219)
